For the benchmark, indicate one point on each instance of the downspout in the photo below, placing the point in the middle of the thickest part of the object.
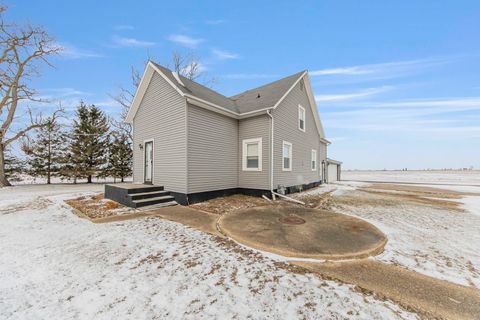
(269, 112)
(274, 194)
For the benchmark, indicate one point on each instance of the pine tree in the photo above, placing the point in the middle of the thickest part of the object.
(120, 156)
(14, 166)
(89, 143)
(45, 154)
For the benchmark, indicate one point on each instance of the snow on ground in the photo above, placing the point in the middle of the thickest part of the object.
(55, 265)
(459, 177)
(438, 242)
(26, 179)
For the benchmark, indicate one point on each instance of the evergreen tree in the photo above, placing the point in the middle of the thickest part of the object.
(89, 143)
(14, 166)
(45, 154)
(120, 156)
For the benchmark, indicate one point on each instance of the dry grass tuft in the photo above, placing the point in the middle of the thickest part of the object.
(95, 207)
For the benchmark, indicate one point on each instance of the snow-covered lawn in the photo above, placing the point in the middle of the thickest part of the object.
(438, 242)
(54, 265)
(459, 177)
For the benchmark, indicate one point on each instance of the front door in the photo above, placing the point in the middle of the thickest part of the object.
(148, 162)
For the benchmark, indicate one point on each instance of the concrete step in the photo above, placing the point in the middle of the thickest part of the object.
(150, 201)
(145, 188)
(159, 205)
(147, 195)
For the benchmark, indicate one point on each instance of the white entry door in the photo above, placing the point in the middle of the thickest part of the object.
(148, 162)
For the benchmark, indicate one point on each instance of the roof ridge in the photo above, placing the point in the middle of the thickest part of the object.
(267, 84)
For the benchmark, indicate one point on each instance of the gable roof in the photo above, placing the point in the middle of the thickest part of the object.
(197, 90)
(248, 103)
(265, 96)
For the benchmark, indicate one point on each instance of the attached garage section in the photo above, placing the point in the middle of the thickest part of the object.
(333, 170)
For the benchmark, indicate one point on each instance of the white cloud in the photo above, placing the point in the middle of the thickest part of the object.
(71, 52)
(224, 55)
(430, 117)
(131, 42)
(382, 70)
(185, 41)
(351, 96)
(122, 27)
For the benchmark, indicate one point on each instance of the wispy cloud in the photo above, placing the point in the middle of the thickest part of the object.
(122, 27)
(247, 76)
(382, 70)
(185, 41)
(71, 52)
(224, 55)
(351, 96)
(131, 42)
(434, 116)
(215, 22)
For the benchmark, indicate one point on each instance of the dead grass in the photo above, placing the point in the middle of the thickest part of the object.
(95, 207)
(229, 204)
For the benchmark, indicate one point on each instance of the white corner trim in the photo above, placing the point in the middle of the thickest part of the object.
(290, 154)
(300, 108)
(244, 154)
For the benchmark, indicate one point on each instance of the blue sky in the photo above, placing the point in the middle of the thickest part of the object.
(397, 84)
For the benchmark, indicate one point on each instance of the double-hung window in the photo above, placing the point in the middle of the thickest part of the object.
(252, 154)
(314, 160)
(287, 156)
(301, 118)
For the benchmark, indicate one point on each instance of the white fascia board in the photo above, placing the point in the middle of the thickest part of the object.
(210, 106)
(288, 91)
(313, 105)
(137, 98)
(174, 86)
(142, 88)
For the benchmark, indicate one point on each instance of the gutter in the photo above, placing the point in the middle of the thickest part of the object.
(269, 112)
(274, 194)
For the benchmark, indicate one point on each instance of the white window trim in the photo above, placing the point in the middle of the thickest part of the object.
(244, 154)
(316, 159)
(290, 155)
(304, 118)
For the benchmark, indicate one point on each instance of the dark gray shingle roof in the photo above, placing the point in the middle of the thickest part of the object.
(265, 96)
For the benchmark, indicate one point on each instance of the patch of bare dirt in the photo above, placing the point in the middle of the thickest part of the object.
(318, 201)
(229, 204)
(436, 197)
(97, 206)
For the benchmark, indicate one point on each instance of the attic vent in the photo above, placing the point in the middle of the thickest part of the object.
(258, 96)
(302, 85)
(177, 77)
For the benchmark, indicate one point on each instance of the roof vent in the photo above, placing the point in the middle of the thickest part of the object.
(258, 96)
(177, 77)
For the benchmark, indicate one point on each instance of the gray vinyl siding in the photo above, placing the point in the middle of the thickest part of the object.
(212, 150)
(286, 129)
(250, 128)
(161, 116)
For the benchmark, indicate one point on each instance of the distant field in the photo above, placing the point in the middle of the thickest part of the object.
(457, 177)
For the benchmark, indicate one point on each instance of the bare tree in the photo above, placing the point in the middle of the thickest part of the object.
(187, 65)
(22, 50)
